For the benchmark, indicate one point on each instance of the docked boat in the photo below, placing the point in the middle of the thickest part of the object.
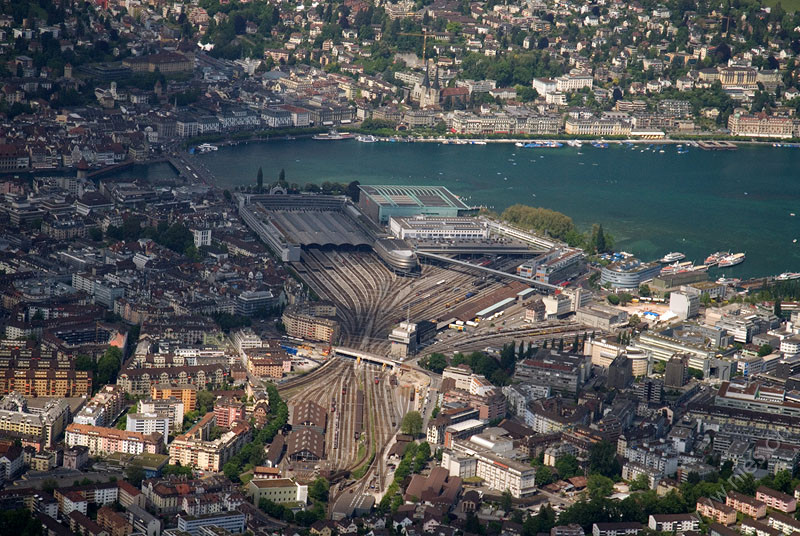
(714, 258)
(599, 145)
(477, 142)
(731, 260)
(728, 281)
(207, 148)
(683, 267)
(672, 257)
(519, 144)
(333, 135)
(369, 138)
(788, 276)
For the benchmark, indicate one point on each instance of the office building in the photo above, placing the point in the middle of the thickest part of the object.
(149, 423)
(677, 371)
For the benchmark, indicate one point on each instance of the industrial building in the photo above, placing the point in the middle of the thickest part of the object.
(430, 228)
(380, 203)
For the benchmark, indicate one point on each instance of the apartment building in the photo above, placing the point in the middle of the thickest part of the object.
(104, 407)
(186, 393)
(171, 406)
(196, 449)
(746, 504)
(102, 441)
(776, 500)
(717, 511)
(674, 522)
(40, 425)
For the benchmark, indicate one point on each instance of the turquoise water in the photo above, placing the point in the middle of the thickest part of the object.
(652, 203)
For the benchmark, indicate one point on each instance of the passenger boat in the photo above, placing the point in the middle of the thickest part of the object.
(731, 260)
(787, 276)
(207, 148)
(333, 135)
(714, 258)
(369, 138)
(672, 257)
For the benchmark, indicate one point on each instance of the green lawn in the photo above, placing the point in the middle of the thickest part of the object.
(788, 5)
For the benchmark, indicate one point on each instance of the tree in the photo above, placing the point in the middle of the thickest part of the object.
(108, 365)
(506, 501)
(134, 474)
(260, 180)
(318, 490)
(435, 362)
(644, 290)
(567, 466)
(353, 192)
(205, 401)
(544, 476)
(603, 459)
(282, 177)
(777, 308)
(640, 483)
(412, 423)
(599, 486)
(613, 299)
(764, 349)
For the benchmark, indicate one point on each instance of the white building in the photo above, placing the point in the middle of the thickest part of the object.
(148, 423)
(685, 303)
(202, 237)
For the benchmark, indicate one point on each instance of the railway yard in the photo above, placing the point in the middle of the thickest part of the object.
(365, 402)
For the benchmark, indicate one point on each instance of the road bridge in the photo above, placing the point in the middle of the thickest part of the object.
(360, 356)
(538, 284)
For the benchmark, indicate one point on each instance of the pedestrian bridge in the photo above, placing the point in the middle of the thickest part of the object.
(360, 356)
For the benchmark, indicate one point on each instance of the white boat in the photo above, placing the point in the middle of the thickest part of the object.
(787, 276)
(672, 257)
(519, 144)
(477, 142)
(714, 258)
(207, 148)
(728, 281)
(333, 135)
(731, 260)
(369, 138)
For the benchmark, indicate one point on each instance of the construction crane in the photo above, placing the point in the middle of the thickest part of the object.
(424, 36)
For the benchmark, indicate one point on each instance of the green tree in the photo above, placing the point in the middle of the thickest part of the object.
(777, 308)
(435, 362)
(644, 290)
(412, 423)
(205, 401)
(318, 490)
(599, 486)
(764, 349)
(506, 501)
(108, 366)
(134, 474)
(260, 180)
(603, 459)
(640, 483)
(613, 299)
(568, 466)
(544, 476)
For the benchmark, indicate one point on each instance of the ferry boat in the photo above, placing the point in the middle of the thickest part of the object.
(787, 276)
(672, 257)
(369, 138)
(731, 260)
(714, 258)
(333, 135)
(683, 267)
(207, 148)
(544, 144)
